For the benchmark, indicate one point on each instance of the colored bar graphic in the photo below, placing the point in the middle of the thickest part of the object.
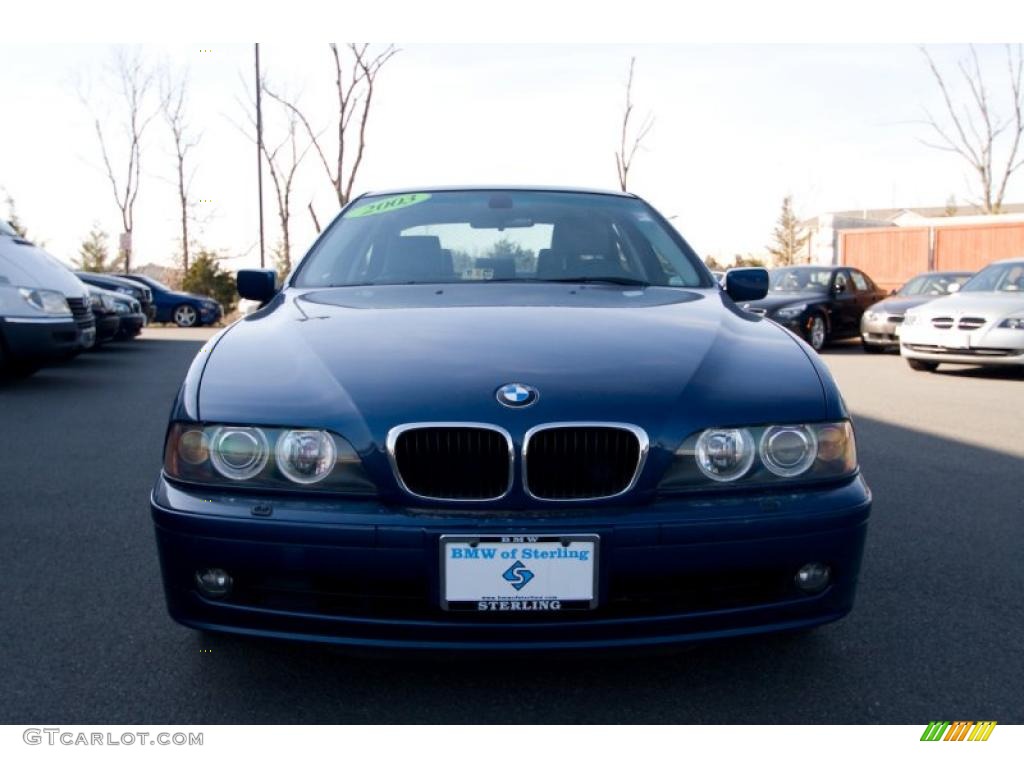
(958, 730)
(982, 730)
(934, 730)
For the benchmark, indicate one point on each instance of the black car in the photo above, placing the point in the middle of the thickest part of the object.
(130, 316)
(141, 293)
(108, 322)
(818, 303)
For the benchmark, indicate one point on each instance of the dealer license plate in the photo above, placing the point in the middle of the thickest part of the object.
(957, 341)
(519, 573)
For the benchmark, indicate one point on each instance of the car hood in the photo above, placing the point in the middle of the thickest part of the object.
(362, 360)
(27, 266)
(193, 296)
(774, 301)
(981, 303)
(900, 304)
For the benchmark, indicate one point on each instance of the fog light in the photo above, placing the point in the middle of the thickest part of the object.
(813, 577)
(214, 583)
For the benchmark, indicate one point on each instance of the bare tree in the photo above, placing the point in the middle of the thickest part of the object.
(132, 82)
(173, 98)
(788, 238)
(624, 157)
(988, 142)
(354, 83)
(283, 159)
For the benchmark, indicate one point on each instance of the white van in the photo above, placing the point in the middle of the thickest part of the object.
(44, 309)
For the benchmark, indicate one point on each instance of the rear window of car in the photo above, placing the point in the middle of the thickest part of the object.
(500, 236)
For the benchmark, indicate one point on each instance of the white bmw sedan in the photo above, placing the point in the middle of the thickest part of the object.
(981, 324)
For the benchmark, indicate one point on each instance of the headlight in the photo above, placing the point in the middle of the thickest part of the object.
(50, 302)
(788, 313)
(271, 458)
(239, 453)
(872, 316)
(305, 456)
(760, 455)
(788, 451)
(909, 320)
(724, 454)
(122, 307)
(1014, 323)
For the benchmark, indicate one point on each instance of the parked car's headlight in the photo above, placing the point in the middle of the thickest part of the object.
(724, 454)
(1014, 323)
(909, 319)
(273, 458)
(122, 307)
(50, 302)
(100, 302)
(788, 313)
(766, 454)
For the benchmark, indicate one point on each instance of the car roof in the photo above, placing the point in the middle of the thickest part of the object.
(497, 188)
(1012, 260)
(105, 276)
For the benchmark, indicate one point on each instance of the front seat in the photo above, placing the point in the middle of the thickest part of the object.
(416, 258)
(579, 248)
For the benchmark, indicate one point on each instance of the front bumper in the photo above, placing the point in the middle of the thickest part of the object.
(986, 346)
(131, 325)
(879, 333)
(209, 316)
(107, 326)
(359, 573)
(41, 339)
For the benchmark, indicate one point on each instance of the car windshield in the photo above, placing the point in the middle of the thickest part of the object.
(500, 236)
(932, 285)
(998, 277)
(801, 280)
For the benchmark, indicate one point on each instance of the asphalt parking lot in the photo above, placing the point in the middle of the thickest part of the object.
(938, 632)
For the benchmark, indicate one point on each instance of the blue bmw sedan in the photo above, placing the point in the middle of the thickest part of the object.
(507, 419)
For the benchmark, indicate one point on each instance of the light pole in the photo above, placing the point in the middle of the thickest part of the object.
(259, 153)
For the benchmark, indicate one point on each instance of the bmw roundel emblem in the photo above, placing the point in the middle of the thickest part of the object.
(517, 395)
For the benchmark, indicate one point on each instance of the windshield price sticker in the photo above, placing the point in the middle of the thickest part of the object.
(388, 204)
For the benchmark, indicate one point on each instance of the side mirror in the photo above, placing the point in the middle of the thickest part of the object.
(952, 287)
(257, 284)
(746, 284)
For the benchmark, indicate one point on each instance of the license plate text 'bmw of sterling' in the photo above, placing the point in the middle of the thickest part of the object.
(506, 419)
(519, 573)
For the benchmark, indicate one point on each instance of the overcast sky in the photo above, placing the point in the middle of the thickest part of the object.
(736, 128)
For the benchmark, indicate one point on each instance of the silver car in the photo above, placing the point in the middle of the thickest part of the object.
(45, 314)
(879, 322)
